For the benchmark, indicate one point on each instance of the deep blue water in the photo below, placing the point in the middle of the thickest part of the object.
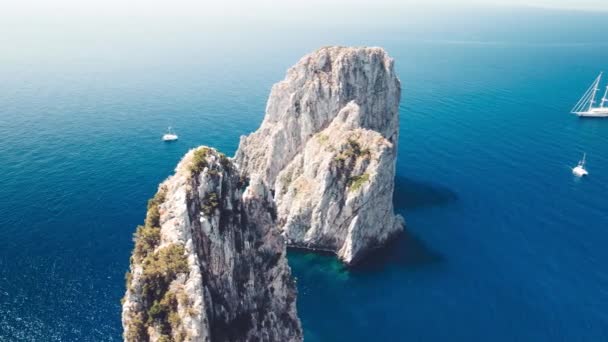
(503, 243)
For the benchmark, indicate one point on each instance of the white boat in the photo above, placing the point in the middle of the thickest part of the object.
(587, 106)
(580, 170)
(170, 135)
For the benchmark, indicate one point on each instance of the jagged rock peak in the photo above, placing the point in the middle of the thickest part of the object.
(310, 97)
(209, 263)
(327, 147)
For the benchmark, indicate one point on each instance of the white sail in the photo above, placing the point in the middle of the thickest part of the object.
(585, 106)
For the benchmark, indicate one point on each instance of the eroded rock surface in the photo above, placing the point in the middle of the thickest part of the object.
(327, 148)
(209, 264)
(336, 195)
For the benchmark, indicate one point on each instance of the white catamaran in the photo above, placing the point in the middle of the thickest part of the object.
(580, 170)
(586, 106)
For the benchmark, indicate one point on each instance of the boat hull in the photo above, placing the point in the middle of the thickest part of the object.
(169, 137)
(579, 171)
(594, 113)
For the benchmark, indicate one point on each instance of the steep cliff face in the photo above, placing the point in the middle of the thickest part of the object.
(310, 97)
(336, 195)
(327, 147)
(209, 263)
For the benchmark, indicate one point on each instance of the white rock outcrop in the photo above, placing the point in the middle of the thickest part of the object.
(327, 148)
(209, 264)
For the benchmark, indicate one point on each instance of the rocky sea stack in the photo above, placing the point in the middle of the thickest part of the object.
(209, 263)
(327, 149)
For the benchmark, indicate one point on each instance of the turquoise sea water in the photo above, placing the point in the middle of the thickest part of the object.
(503, 243)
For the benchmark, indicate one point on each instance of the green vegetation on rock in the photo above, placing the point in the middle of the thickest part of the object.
(146, 240)
(153, 215)
(199, 160)
(322, 138)
(147, 237)
(159, 269)
(128, 279)
(136, 330)
(210, 203)
(352, 149)
(355, 182)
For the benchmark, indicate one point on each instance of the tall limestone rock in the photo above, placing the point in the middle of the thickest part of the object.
(327, 148)
(209, 263)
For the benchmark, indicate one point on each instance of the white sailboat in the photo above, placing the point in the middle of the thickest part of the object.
(586, 106)
(170, 135)
(579, 170)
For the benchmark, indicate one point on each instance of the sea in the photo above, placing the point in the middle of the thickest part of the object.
(502, 242)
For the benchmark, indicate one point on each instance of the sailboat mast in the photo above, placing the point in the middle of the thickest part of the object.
(595, 89)
(605, 98)
(584, 157)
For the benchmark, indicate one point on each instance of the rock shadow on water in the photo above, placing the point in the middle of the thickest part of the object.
(404, 251)
(412, 194)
